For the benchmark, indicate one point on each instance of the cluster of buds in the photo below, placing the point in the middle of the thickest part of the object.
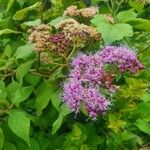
(88, 75)
(73, 11)
(58, 43)
(38, 36)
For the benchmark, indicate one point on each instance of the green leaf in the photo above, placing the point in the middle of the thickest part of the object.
(143, 126)
(19, 123)
(30, 23)
(141, 24)
(9, 5)
(126, 135)
(19, 15)
(8, 31)
(21, 95)
(146, 97)
(57, 124)
(32, 79)
(9, 146)
(21, 2)
(56, 100)
(12, 88)
(125, 16)
(79, 134)
(84, 147)
(43, 97)
(23, 69)
(8, 51)
(24, 51)
(1, 139)
(112, 32)
(3, 92)
(34, 145)
(143, 108)
(137, 5)
(54, 22)
(64, 110)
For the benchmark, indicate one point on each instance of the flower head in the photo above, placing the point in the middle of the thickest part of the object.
(123, 57)
(88, 12)
(71, 11)
(38, 36)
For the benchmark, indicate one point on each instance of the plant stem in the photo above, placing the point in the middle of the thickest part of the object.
(74, 48)
(55, 63)
(39, 61)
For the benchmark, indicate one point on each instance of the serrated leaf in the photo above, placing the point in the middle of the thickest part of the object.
(21, 95)
(23, 69)
(112, 32)
(19, 123)
(143, 126)
(8, 31)
(19, 15)
(24, 51)
(43, 97)
(9, 146)
(1, 139)
(125, 16)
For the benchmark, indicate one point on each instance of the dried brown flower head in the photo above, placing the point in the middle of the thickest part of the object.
(71, 11)
(88, 12)
(38, 35)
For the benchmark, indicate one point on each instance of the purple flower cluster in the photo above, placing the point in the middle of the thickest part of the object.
(123, 57)
(87, 68)
(88, 75)
(83, 85)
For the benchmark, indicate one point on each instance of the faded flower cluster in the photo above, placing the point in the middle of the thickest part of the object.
(71, 28)
(69, 34)
(73, 11)
(38, 36)
(88, 75)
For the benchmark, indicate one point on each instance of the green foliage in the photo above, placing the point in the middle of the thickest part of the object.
(19, 15)
(120, 30)
(32, 115)
(1, 139)
(19, 124)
